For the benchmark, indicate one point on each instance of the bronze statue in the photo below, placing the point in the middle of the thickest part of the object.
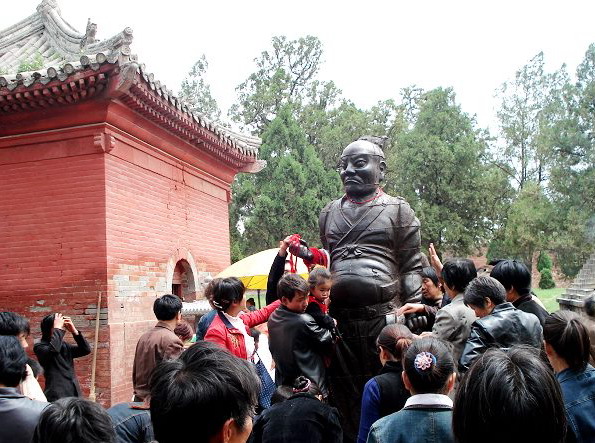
(374, 246)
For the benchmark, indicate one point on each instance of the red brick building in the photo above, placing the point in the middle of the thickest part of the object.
(108, 187)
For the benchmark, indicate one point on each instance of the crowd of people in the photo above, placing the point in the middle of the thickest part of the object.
(477, 359)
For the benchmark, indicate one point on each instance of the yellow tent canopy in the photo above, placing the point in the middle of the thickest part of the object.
(254, 270)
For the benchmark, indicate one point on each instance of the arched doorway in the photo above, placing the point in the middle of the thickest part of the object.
(183, 280)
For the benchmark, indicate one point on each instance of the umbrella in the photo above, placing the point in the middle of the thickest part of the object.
(254, 270)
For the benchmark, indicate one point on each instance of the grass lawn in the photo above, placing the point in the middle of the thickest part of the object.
(548, 297)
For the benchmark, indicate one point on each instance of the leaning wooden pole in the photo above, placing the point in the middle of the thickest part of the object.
(92, 395)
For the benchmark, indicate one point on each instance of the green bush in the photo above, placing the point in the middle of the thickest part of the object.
(546, 281)
(544, 261)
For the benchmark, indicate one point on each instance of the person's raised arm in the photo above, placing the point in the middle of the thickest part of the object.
(82, 347)
(276, 272)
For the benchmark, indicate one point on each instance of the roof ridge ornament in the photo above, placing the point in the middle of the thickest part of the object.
(90, 33)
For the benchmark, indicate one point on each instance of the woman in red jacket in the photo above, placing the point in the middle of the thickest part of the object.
(231, 327)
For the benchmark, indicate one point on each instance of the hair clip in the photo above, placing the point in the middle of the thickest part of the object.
(304, 389)
(424, 361)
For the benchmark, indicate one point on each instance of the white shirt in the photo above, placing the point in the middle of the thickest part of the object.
(239, 324)
(428, 400)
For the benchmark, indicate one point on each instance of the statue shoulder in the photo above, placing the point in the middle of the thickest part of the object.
(330, 206)
(400, 201)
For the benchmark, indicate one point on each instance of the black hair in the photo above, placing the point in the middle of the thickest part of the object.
(12, 323)
(205, 382)
(229, 290)
(13, 361)
(281, 394)
(290, 284)
(209, 288)
(35, 367)
(457, 273)
(396, 339)
(509, 396)
(481, 288)
(251, 300)
(430, 272)
(47, 325)
(590, 305)
(512, 274)
(428, 364)
(304, 384)
(317, 276)
(74, 420)
(167, 307)
(567, 334)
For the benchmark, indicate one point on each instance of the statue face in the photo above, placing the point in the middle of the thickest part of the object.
(361, 168)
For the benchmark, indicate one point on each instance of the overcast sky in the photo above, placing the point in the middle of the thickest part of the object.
(372, 49)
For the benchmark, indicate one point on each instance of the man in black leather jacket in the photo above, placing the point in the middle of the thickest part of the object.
(500, 324)
(296, 341)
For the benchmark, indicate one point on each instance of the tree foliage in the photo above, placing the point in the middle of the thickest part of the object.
(287, 196)
(285, 76)
(441, 167)
(546, 281)
(544, 261)
(195, 91)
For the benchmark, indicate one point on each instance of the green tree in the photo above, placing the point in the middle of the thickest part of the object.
(441, 167)
(528, 226)
(285, 76)
(195, 92)
(571, 155)
(524, 120)
(544, 261)
(287, 196)
(546, 281)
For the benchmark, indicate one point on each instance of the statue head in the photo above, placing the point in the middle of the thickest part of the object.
(362, 166)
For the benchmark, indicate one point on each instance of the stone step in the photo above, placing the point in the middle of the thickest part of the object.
(578, 292)
(587, 282)
(570, 302)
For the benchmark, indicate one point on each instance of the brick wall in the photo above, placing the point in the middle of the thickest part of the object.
(108, 207)
(53, 250)
(159, 211)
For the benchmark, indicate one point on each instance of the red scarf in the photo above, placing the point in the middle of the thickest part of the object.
(323, 307)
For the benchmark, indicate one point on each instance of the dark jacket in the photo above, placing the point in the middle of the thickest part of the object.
(383, 395)
(526, 304)
(320, 317)
(155, 345)
(18, 416)
(300, 418)
(57, 359)
(275, 274)
(297, 345)
(131, 422)
(506, 326)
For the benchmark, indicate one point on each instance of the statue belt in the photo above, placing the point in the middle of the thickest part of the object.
(364, 312)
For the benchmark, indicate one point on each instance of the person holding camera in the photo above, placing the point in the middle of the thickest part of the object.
(57, 357)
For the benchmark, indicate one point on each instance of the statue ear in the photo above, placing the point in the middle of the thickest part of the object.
(382, 168)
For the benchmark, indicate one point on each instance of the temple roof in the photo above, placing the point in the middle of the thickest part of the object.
(44, 60)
